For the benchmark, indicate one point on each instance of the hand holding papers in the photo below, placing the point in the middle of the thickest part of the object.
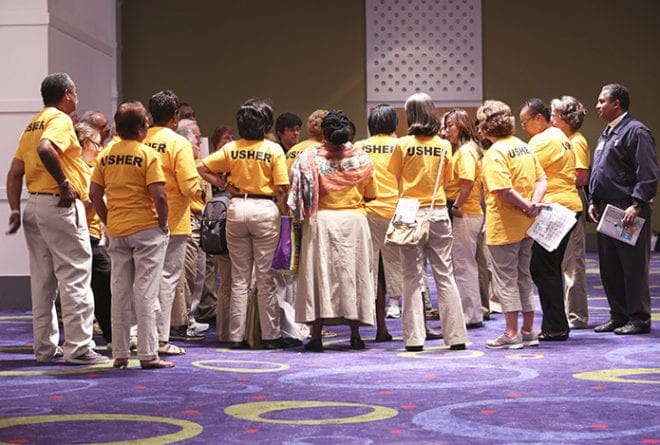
(610, 225)
(551, 226)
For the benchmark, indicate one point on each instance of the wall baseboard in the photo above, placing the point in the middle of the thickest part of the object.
(15, 292)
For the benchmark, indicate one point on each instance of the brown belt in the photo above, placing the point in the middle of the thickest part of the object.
(44, 194)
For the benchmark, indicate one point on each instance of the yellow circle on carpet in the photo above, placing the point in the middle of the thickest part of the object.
(188, 429)
(445, 354)
(254, 411)
(203, 364)
(616, 375)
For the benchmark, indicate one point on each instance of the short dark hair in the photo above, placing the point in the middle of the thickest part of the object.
(337, 127)
(287, 120)
(382, 120)
(163, 106)
(130, 117)
(616, 91)
(538, 107)
(254, 119)
(54, 86)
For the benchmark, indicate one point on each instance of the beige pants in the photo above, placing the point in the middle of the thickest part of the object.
(223, 296)
(189, 288)
(391, 257)
(512, 281)
(172, 271)
(60, 260)
(252, 233)
(137, 266)
(466, 270)
(438, 249)
(575, 280)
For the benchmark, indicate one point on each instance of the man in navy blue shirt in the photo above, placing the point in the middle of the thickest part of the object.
(625, 174)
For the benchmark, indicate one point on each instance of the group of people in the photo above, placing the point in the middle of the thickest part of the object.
(479, 185)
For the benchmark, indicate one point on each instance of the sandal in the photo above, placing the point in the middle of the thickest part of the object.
(120, 363)
(170, 349)
(156, 364)
(328, 334)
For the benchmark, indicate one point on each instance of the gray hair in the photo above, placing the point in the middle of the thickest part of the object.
(87, 131)
(185, 129)
(570, 110)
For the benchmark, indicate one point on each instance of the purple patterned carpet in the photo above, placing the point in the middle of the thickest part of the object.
(594, 388)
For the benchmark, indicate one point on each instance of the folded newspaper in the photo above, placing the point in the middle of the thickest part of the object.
(551, 226)
(610, 225)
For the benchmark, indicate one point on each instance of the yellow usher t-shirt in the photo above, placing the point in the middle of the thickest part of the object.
(415, 162)
(294, 151)
(255, 167)
(555, 154)
(467, 165)
(56, 126)
(508, 163)
(380, 148)
(181, 177)
(125, 170)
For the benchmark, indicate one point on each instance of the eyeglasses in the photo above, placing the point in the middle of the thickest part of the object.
(523, 123)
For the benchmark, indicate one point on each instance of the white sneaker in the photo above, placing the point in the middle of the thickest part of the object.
(88, 358)
(530, 339)
(198, 327)
(505, 342)
(393, 310)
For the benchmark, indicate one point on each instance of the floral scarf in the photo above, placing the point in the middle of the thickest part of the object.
(318, 171)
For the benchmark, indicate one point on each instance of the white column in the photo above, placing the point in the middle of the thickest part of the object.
(38, 37)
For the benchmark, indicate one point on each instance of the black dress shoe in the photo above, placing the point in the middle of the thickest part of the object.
(634, 327)
(546, 336)
(275, 343)
(238, 345)
(383, 337)
(314, 345)
(357, 343)
(414, 348)
(609, 326)
(433, 335)
(477, 325)
(457, 347)
(289, 342)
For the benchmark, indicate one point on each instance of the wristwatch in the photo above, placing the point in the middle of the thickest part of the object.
(637, 204)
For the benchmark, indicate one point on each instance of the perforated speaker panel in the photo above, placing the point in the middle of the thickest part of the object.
(432, 46)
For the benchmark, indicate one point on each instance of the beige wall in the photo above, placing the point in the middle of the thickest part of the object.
(214, 54)
(306, 54)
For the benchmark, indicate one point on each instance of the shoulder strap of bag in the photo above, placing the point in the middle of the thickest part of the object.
(437, 179)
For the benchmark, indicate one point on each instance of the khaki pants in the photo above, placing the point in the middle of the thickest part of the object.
(391, 257)
(224, 297)
(438, 250)
(172, 270)
(575, 279)
(512, 280)
(466, 270)
(189, 289)
(60, 260)
(252, 234)
(137, 265)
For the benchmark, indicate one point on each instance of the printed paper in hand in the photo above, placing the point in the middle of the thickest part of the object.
(406, 210)
(551, 226)
(610, 225)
